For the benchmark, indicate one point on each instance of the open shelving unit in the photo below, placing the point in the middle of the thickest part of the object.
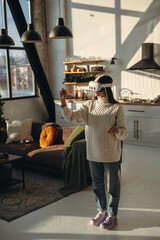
(80, 77)
(87, 63)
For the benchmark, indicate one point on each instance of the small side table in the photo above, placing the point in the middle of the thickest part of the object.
(11, 159)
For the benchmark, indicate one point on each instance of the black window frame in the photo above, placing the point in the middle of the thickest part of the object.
(8, 69)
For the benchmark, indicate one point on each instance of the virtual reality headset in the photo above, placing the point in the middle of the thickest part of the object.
(96, 86)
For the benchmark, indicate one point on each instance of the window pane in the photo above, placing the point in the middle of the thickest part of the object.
(22, 79)
(24, 6)
(1, 22)
(3, 75)
(12, 29)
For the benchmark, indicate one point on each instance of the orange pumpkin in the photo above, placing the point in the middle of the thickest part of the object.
(48, 137)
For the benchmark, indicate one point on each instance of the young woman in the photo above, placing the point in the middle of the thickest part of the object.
(105, 128)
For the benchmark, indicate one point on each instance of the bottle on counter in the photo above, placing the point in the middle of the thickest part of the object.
(80, 93)
(76, 93)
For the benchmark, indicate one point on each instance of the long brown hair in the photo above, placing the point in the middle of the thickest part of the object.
(107, 79)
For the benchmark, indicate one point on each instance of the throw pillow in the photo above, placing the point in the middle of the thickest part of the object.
(77, 134)
(48, 137)
(19, 130)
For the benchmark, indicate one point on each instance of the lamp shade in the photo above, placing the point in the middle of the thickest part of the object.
(30, 36)
(60, 31)
(5, 40)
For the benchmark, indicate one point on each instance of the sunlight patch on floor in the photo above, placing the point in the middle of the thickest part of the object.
(140, 209)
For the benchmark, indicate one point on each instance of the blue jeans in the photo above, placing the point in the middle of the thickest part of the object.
(97, 170)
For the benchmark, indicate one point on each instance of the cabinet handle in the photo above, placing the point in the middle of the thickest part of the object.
(134, 129)
(137, 130)
(136, 135)
(136, 111)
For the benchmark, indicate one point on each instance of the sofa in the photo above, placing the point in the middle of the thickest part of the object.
(48, 159)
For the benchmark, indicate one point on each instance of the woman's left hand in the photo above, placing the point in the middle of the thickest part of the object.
(113, 130)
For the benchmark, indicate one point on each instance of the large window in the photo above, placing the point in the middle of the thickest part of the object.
(16, 76)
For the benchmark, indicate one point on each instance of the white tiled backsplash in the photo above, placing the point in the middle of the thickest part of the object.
(147, 84)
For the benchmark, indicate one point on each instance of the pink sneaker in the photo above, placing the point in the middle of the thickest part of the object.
(109, 223)
(98, 219)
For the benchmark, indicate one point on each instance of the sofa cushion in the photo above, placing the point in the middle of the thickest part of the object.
(46, 124)
(19, 130)
(77, 134)
(60, 135)
(48, 137)
(19, 148)
(49, 156)
(36, 130)
(67, 132)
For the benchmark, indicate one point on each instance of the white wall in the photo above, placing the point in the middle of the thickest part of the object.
(56, 49)
(26, 108)
(106, 29)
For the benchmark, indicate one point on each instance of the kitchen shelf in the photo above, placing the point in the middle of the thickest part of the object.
(89, 62)
(84, 72)
(84, 62)
(76, 83)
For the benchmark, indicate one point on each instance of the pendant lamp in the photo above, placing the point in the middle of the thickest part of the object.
(60, 31)
(5, 40)
(30, 36)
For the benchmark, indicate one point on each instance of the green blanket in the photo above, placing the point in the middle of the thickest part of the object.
(75, 168)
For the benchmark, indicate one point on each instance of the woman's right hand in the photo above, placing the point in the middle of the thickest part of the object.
(63, 95)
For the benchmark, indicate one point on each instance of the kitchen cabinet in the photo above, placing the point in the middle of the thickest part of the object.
(143, 125)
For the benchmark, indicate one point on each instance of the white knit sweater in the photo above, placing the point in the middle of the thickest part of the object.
(99, 117)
